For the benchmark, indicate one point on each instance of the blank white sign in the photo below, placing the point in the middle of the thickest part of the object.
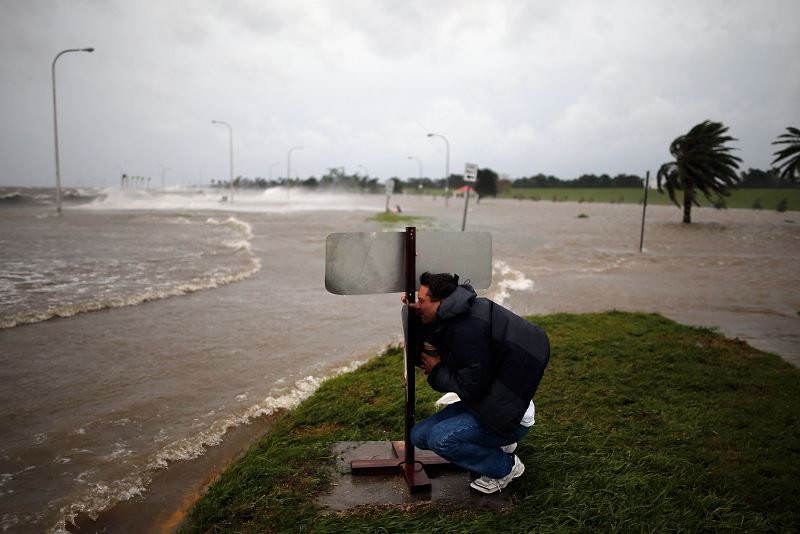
(364, 263)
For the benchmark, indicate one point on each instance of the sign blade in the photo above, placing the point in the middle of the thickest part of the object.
(364, 263)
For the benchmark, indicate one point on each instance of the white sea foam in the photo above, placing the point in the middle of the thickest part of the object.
(120, 451)
(238, 244)
(273, 200)
(244, 227)
(195, 446)
(506, 280)
(102, 495)
(103, 301)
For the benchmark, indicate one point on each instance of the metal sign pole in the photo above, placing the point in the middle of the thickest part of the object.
(386, 262)
(466, 203)
(410, 348)
(644, 209)
(470, 176)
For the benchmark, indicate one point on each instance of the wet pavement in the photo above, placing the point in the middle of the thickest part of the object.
(449, 487)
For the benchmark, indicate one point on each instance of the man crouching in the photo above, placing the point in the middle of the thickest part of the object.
(493, 360)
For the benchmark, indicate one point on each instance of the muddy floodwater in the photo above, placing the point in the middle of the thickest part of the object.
(138, 329)
(733, 270)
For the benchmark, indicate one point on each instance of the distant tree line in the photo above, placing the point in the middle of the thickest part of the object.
(489, 183)
(703, 162)
(583, 181)
(334, 179)
(758, 179)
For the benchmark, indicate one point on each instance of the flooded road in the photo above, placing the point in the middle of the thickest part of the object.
(94, 404)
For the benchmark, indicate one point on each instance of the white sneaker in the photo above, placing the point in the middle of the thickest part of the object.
(509, 448)
(485, 484)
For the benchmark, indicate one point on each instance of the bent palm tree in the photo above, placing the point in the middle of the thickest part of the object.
(790, 168)
(702, 161)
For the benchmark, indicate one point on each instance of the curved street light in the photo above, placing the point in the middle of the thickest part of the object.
(446, 168)
(55, 121)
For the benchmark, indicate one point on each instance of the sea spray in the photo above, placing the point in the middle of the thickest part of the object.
(506, 280)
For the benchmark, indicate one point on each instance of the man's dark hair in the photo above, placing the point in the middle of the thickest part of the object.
(440, 286)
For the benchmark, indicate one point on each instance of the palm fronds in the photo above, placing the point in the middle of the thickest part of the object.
(790, 168)
(702, 161)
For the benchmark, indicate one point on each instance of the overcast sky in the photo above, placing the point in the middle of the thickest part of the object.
(521, 87)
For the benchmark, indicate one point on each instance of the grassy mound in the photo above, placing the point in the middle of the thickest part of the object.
(396, 218)
(642, 425)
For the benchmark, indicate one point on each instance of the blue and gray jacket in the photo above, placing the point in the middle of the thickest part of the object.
(492, 358)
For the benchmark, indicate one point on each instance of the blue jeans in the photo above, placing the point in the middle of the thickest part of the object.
(454, 434)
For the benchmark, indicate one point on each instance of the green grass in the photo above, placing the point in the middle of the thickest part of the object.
(643, 425)
(767, 199)
(395, 218)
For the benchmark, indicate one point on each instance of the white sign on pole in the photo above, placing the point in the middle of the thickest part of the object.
(364, 263)
(470, 172)
(389, 186)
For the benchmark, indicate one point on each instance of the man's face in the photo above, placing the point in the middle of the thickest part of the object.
(426, 308)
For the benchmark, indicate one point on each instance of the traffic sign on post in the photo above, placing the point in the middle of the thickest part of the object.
(470, 172)
(387, 262)
(470, 175)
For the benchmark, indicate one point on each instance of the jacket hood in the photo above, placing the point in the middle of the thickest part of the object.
(458, 303)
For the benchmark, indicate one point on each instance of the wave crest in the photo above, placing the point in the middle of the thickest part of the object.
(103, 495)
(506, 280)
(252, 265)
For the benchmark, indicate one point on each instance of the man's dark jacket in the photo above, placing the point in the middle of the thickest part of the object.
(492, 358)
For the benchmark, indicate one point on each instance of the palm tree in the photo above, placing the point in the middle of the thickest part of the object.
(702, 161)
(791, 167)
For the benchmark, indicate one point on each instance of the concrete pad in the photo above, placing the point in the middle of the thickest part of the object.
(449, 488)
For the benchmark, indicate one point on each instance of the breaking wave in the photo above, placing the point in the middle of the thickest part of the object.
(505, 279)
(103, 496)
(40, 196)
(273, 200)
(135, 296)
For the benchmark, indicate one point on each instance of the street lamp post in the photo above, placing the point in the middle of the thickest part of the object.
(55, 121)
(230, 137)
(446, 168)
